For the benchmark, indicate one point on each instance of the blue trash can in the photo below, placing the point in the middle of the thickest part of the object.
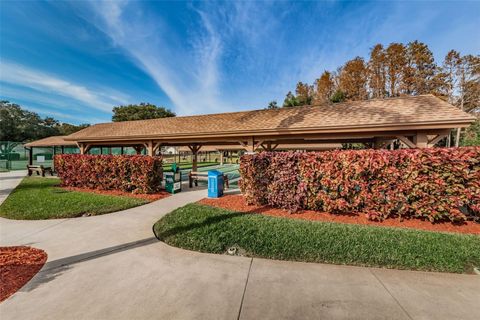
(215, 184)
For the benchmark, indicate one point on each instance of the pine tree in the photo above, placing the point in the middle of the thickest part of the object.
(420, 70)
(396, 62)
(304, 93)
(324, 88)
(290, 100)
(353, 79)
(449, 74)
(377, 72)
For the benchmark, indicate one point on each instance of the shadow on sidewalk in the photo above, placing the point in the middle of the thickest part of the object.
(55, 268)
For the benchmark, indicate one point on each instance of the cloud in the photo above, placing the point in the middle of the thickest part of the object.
(20, 75)
(188, 77)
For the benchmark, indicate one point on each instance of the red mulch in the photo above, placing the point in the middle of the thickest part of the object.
(148, 197)
(17, 266)
(237, 203)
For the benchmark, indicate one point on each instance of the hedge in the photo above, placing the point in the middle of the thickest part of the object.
(136, 174)
(441, 184)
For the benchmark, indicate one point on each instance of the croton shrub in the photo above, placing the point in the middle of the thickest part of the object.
(436, 184)
(136, 174)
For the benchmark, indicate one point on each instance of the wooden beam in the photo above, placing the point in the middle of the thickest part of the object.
(156, 147)
(407, 141)
(435, 140)
(243, 144)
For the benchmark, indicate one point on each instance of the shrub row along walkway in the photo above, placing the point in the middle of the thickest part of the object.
(111, 266)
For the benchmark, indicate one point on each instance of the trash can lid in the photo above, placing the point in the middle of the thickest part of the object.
(214, 173)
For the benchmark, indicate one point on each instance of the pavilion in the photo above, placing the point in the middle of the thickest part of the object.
(416, 121)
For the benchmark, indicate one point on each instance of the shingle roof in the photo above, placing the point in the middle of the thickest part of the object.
(425, 109)
(50, 142)
(305, 146)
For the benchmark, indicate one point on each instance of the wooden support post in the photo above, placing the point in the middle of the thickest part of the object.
(63, 149)
(421, 140)
(194, 148)
(30, 156)
(150, 148)
(83, 147)
(251, 144)
(221, 158)
(53, 157)
(121, 150)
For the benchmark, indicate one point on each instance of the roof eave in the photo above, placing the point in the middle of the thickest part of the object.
(448, 124)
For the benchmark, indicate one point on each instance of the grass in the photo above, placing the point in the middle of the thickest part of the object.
(40, 198)
(207, 229)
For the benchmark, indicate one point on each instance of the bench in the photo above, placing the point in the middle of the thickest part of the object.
(195, 176)
(39, 170)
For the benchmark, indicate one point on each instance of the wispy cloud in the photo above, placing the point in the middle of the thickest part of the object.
(189, 78)
(23, 76)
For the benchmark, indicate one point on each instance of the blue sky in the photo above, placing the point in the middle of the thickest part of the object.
(76, 60)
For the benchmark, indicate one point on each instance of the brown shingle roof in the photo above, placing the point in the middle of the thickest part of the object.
(237, 147)
(425, 109)
(50, 142)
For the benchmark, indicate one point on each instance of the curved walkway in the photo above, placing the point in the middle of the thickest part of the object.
(111, 267)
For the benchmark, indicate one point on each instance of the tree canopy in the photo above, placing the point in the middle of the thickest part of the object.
(140, 111)
(397, 70)
(20, 125)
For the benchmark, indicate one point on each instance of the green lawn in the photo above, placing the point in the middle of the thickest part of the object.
(38, 198)
(207, 229)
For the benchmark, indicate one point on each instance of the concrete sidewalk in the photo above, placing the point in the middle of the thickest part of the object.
(111, 267)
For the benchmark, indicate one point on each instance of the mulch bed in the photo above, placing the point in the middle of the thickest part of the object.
(237, 203)
(148, 197)
(17, 266)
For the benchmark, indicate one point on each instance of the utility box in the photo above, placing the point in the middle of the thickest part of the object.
(215, 184)
(173, 180)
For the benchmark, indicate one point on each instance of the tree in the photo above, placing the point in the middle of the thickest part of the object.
(471, 135)
(353, 79)
(272, 105)
(468, 87)
(304, 93)
(19, 125)
(377, 72)
(396, 62)
(338, 96)
(66, 129)
(419, 72)
(290, 100)
(140, 111)
(469, 83)
(324, 88)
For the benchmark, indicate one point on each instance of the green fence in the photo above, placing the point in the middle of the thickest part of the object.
(14, 156)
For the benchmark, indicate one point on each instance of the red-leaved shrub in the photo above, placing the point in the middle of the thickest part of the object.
(136, 174)
(434, 184)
